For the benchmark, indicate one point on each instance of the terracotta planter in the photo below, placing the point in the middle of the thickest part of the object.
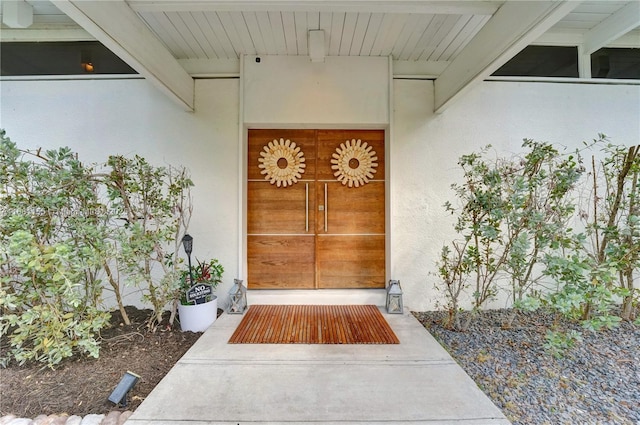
(198, 317)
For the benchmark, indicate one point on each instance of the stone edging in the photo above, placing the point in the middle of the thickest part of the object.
(111, 418)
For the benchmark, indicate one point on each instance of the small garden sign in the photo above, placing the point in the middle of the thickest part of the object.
(199, 292)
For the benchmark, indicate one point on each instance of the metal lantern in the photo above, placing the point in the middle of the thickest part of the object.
(237, 298)
(394, 298)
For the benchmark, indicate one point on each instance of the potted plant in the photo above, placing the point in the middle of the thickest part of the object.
(198, 307)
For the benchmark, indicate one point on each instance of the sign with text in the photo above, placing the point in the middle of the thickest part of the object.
(199, 292)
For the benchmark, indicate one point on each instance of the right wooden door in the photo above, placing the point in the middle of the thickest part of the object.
(326, 229)
(350, 218)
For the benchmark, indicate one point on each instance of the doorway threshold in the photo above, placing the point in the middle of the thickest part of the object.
(317, 296)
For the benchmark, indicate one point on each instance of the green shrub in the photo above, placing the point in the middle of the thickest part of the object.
(50, 232)
(153, 207)
(62, 227)
(513, 220)
(509, 212)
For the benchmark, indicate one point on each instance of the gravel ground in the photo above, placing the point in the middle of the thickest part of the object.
(596, 382)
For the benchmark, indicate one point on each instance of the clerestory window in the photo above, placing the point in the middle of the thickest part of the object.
(59, 58)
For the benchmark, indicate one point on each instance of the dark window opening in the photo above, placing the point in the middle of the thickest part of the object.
(542, 61)
(59, 58)
(616, 63)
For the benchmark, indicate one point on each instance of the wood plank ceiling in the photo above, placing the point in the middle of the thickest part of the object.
(196, 30)
(226, 35)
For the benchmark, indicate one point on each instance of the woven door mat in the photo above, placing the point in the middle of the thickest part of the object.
(313, 324)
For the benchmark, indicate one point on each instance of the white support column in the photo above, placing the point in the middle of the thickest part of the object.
(584, 63)
(17, 14)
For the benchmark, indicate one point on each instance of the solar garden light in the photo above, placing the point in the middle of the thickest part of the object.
(237, 298)
(394, 298)
(187, 243)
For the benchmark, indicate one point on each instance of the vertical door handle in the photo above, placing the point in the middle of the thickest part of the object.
(306, 202)
(326, 207)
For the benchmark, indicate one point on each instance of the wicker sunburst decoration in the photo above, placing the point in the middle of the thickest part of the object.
(282, 162)
(354, 163)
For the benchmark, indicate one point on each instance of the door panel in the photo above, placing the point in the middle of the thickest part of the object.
(304, 139)
(351, 210)
(351, 261)
(281, 262)
(280, 209)
(330, 140)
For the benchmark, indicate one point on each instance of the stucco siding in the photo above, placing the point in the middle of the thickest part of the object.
(98, 118)
(102, 117)
(426, 146)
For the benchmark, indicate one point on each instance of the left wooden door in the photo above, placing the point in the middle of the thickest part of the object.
(281, 250)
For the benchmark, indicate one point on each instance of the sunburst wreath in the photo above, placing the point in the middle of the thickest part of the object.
(354, 163)
(282, 162)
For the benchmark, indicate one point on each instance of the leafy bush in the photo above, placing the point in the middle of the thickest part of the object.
(509, 212)
(153, 208)
(513, 221)
(63, 226)
(51, 230)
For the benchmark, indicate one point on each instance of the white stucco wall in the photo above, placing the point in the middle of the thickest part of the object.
(98, 118)
(293, 91)
(426, 146)
(102, 117)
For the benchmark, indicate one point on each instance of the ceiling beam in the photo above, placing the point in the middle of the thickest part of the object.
(115, 25)
(514, 26)
(367, 6)
(40, 33)
(612, 28)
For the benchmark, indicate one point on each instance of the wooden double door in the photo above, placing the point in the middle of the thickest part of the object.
(316, 209)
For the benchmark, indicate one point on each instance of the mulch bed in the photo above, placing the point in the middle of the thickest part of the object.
(81, 386)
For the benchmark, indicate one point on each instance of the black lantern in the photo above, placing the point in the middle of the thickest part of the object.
(187, 243)
(394, 298)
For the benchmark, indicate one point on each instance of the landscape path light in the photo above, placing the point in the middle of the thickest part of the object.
(120, 393)
(187, 243)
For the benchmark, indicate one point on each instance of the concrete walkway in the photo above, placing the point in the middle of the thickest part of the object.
(410, 383)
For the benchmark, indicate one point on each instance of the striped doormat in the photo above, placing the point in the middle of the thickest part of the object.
(313, 324)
